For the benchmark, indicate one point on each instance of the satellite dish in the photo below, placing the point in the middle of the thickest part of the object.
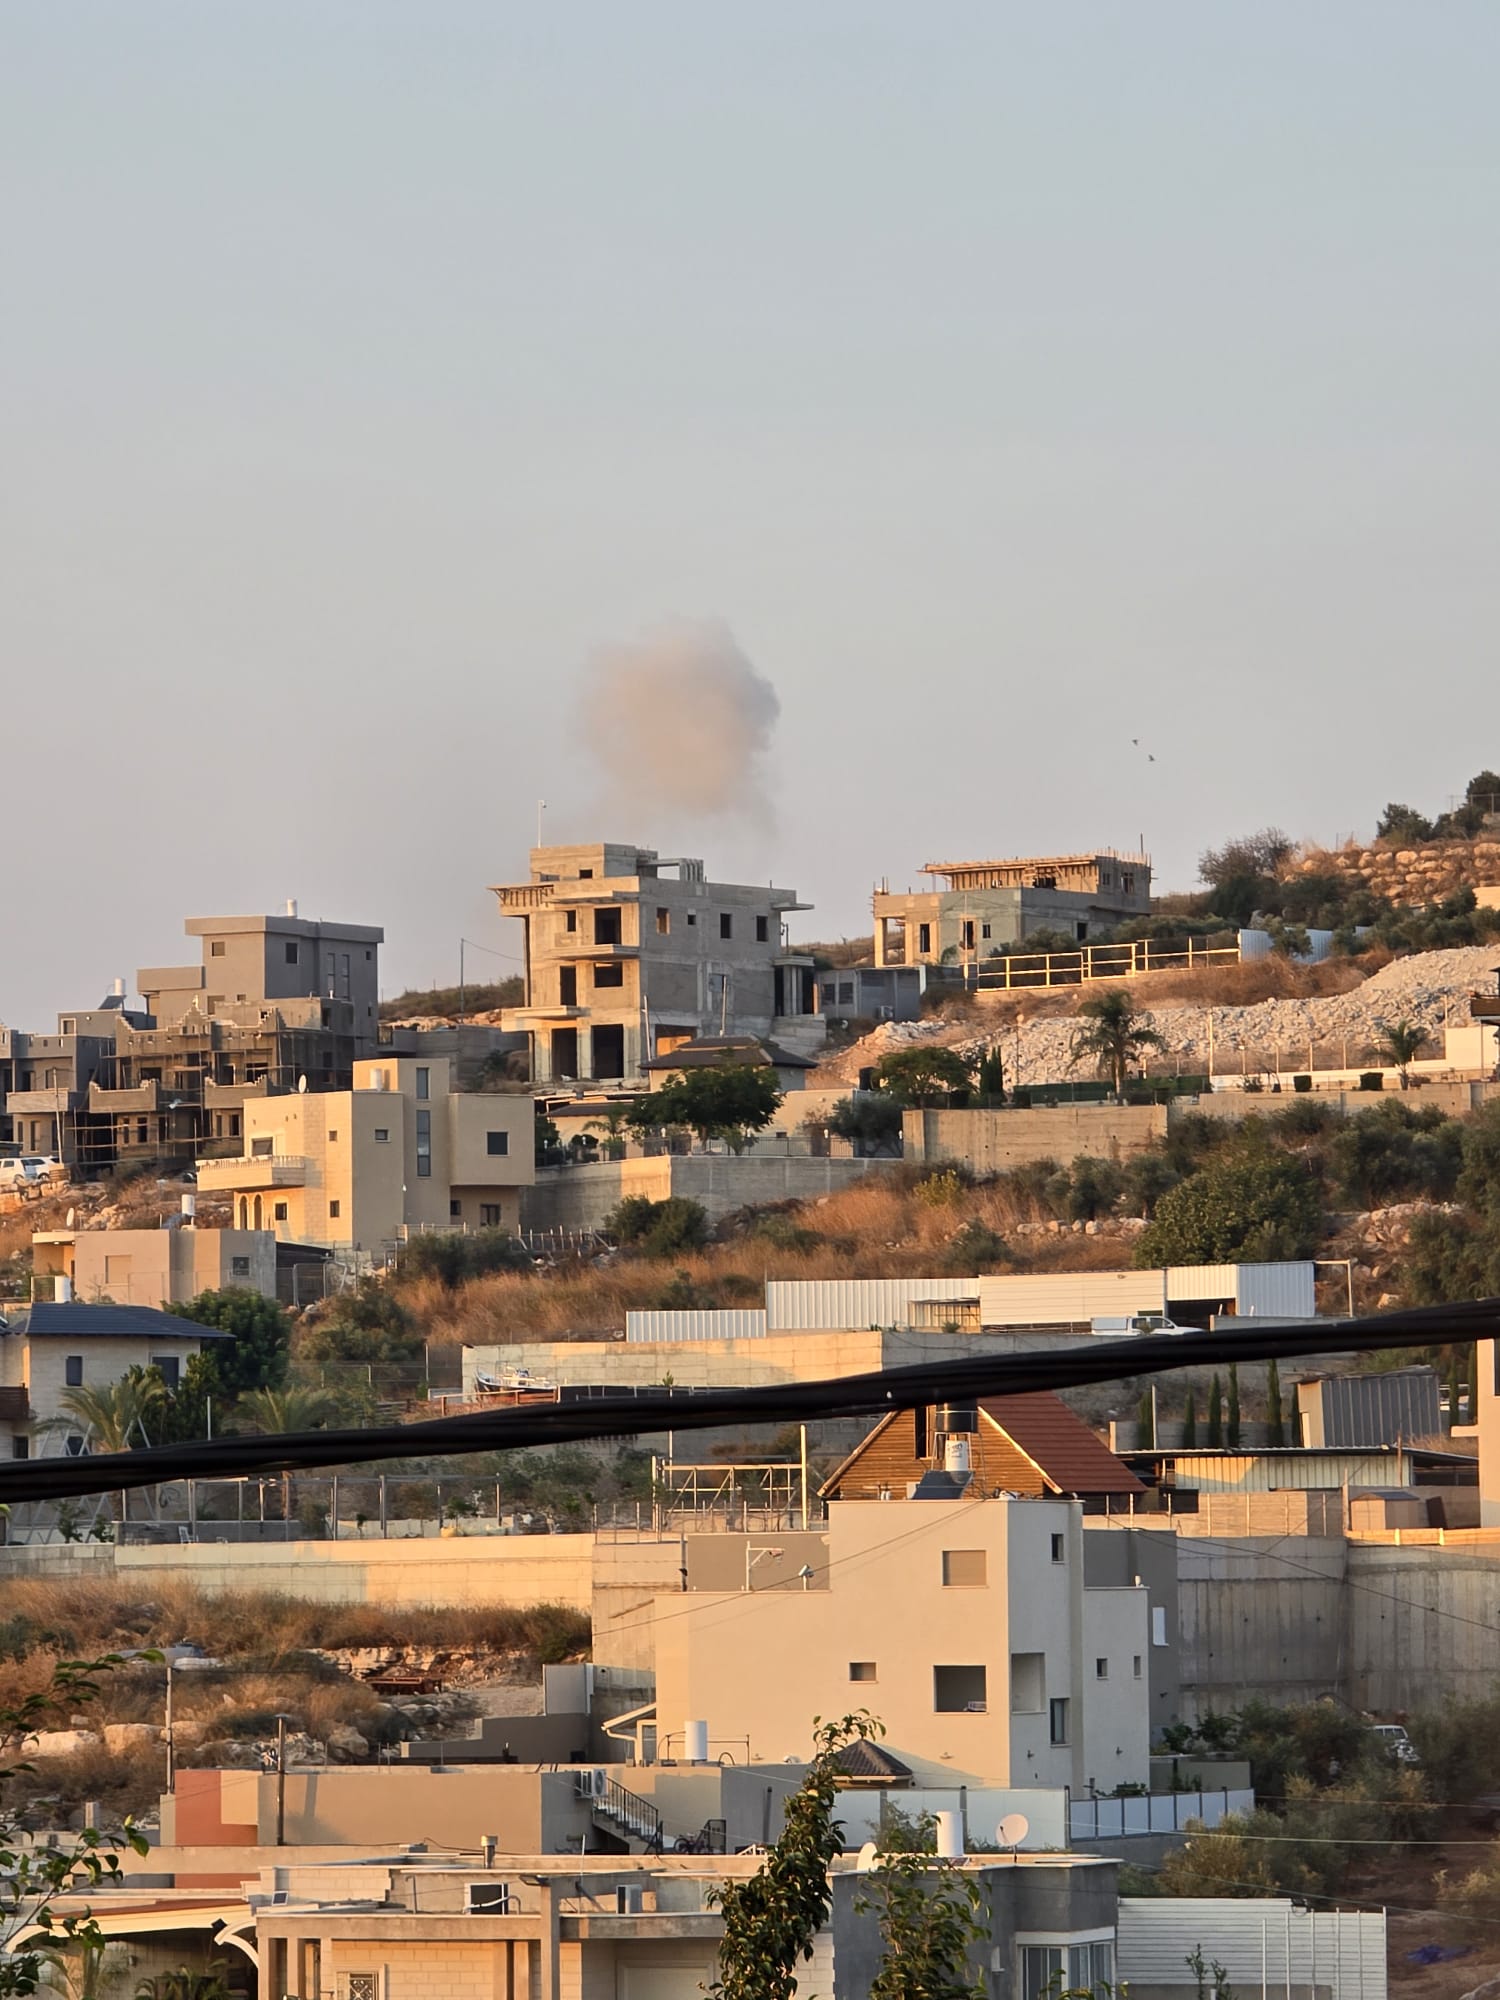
(302, 1084)
(1012, 1830)
(866, 1858)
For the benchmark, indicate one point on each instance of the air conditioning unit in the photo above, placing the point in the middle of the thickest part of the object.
(591, 1784)
(490, 1899)
(630, 1900)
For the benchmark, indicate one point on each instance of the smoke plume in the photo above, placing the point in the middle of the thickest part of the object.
(682, 722)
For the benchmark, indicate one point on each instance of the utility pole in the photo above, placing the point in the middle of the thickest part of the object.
(281, 1781)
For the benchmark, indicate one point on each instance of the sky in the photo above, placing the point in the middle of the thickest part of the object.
(1005, 383)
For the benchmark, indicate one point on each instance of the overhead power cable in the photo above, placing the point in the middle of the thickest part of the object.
(869, 1395)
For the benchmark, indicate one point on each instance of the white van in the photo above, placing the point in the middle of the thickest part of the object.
(22, 1170)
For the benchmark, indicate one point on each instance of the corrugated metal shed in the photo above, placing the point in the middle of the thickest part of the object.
(1340, 1411)
(1059, 1298)
(1263, 1944)
(1269, 1291)
(1303, 1471)
(794, 1305)
(729, 1324)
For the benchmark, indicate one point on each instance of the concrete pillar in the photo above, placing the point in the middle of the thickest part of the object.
(548, 1947)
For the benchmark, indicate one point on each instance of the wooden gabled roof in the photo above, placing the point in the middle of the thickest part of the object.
(1031, 1444)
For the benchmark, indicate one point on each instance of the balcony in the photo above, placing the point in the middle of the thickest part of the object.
(54, 1103)
(139, 1097)
(525, 895)
(230, 1096)
(274, 1170)
(14, 1408)
(1482, 1006)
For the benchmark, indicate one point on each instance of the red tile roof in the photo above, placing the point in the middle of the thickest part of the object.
(1061, 1445)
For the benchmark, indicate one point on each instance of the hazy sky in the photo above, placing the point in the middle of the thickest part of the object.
(1010, 382)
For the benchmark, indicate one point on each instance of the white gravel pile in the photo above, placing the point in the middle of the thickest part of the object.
(1430, 989)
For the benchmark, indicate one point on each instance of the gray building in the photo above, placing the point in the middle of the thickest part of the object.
(984, 906)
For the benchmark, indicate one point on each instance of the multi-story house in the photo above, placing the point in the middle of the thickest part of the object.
(985, 905)
(363, 1168)
(629, 954)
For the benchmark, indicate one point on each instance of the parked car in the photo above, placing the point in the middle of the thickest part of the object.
(19, 1171)
(1392, 1737)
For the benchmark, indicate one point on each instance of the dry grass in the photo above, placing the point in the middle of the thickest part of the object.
(883, 1228)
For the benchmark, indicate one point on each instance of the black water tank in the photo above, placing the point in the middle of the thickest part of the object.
(956, 1420)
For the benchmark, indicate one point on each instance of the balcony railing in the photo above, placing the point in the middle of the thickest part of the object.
(257, 1171)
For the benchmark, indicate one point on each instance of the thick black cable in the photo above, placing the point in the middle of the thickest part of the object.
(867, 1395)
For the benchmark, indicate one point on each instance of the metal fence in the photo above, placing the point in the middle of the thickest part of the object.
(1154, 1812)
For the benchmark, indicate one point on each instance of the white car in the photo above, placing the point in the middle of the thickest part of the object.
(1393, 1738)
(18, 1172)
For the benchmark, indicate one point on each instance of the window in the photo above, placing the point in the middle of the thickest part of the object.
(606, 927)
(261, 1149)
(692, 916)
(1076, 1968)
(279, 1212)
(216, 948)
(726, 924)
(333, 1138)
(567, 986)
(1135, 1666)
(966, 933)
(497, 1144)
(1080, 930)
(862, 1670)
(664, 923)
(73, 1371)
(609, 975)
(361, 1986)
(958, 1690)
(1158, 1625)
(1059, 1548)
(570, 920)
(1101, 1670)
(762, 930)
(1027, 1683)
(168, 1367)
(846, 992)
(984, 930)
(20, 1447)
(239, 1267)
(424, 1145)
(291, 953)
(489, 1215)
(964, 1568)
(585, 874)
(382, 1135)
(1057, 1719)
(424, 1085)
(924, 937)
(333, 1211)
(455, 1211)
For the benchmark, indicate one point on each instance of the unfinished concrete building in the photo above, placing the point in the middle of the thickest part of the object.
(985, 906)
(630, 954)
(275, 1001)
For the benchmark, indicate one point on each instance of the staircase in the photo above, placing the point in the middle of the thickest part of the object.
(623, 1813)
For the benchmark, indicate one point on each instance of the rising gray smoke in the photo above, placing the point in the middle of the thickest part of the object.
(680, 721)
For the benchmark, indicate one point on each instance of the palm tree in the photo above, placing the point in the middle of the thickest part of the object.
(112, 1416)
(1110, 1033)
(1403, 1041)
(277, 1411)
(613, 1121)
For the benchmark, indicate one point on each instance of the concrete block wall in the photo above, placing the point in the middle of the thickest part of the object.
(990, 1142)
(580, 1197)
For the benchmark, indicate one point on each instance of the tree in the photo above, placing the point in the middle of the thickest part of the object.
(276, 1412)
(1110, 1035)
(1403, 826)
(990, 1082)
(1262, 853)
(659, 1228)
(1232, 1421)
(614, 1122)
(772, 1918)
(1145, 1422)
(1275, 1419)
(1189, 1422)
(113, 1416)
(454, 1257)
(1215, 1415)
(925, 1077)
(1403, 1041)
(367, 1327)
(728, 1102)
(870, 1119)
(1253, 1205)
(930, 1914)
(262, 1337)
(32, 1875)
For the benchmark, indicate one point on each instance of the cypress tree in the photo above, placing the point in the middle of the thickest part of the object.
(1189, 1423)
(1232, 1428)
(1215, 1415)
(1275, 1420)
(1145, 1422)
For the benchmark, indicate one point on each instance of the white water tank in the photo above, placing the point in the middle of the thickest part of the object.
(950, 1836)
(956, 1454)
(695, 1742)
(189, 1207)
(291, 906)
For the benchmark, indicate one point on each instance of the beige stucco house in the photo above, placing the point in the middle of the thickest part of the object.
(983, 905)
(362, 1168)
(49, 1348)
(153, 1267)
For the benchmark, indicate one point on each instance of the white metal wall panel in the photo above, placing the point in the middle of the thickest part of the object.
(1058, 1298)
(1277, 1291)
(730, 1324)
(795, 1305)
(1304, 1471)
(1263, 1944)
(1271, 1291)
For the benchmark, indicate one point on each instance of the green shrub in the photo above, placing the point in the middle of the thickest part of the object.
(1257, 1205)
(659, 1228)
